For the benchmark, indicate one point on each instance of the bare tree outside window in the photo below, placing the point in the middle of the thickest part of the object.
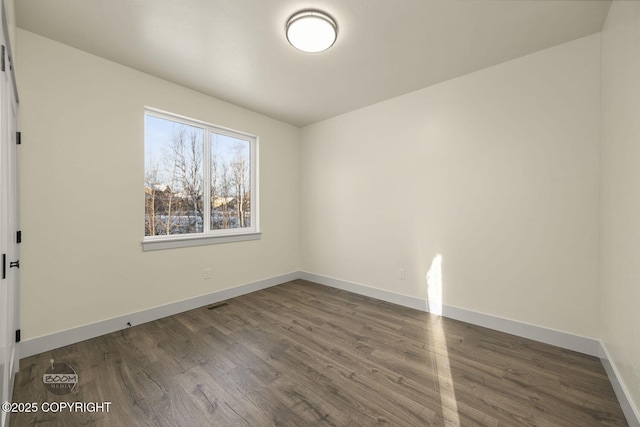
(173, 178)
(197, 179)
(230, 185)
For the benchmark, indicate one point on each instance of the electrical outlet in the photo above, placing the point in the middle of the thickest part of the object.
(401, 274)
(207, 273)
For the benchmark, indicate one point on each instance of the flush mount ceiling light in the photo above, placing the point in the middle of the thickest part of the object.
(311, 31)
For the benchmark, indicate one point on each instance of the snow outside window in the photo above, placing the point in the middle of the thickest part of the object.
(200, 183)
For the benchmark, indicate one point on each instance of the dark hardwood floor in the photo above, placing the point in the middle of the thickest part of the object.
(302, 354)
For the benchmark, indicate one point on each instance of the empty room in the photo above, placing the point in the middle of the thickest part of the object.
(306, 213)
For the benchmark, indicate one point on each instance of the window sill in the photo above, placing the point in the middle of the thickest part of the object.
(185, 242)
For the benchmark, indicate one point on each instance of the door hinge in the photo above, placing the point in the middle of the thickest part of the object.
(18, 138)
(2, 65)
(17, 335)
(19, 237)
(4, 266)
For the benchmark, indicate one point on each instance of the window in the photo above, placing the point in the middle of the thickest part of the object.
(200, 183)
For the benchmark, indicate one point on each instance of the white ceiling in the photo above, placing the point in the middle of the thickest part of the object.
(236, 50)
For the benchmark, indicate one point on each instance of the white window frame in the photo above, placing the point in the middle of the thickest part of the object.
(211, 237)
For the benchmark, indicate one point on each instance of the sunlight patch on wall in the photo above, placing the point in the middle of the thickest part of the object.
(434, 286)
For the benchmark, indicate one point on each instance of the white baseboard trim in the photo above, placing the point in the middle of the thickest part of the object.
(561, 339)
(36, 345)
(392, 297)
(630, 411)
(566, 340)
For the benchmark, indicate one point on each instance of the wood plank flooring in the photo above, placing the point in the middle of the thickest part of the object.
(302, 354)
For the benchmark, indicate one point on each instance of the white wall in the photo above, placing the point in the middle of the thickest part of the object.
(10, 14)
(621, 192)
(497, 171)
(82, 175)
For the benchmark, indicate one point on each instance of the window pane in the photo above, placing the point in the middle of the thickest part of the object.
(230, 182)
(173, 188)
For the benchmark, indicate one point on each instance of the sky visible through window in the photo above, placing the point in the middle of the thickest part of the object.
(181, 198)
(158, 134)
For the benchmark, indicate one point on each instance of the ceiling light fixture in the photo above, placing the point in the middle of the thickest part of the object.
(311, 31)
